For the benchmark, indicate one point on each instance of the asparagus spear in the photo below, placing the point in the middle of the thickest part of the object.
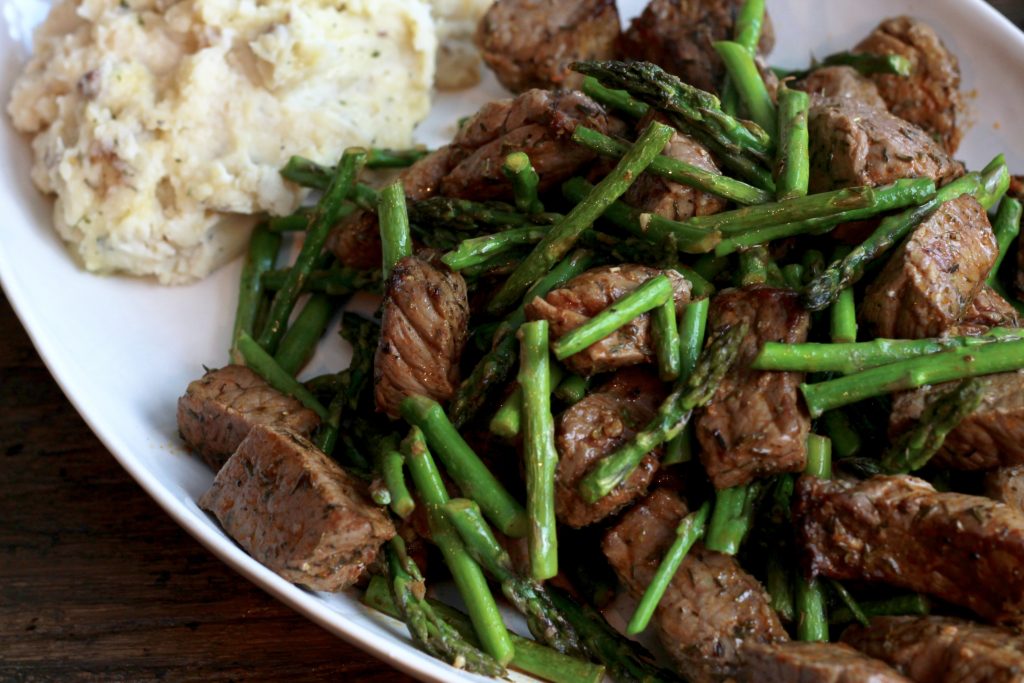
(691, 333)
(823, 205)
(520, 171)
(466, 215)
(745, 77)
(843, 313)
(942, 413)
(324, 218)
(648, 296)
(689, 531)
(946, 366)
(849, 601)
(672, 417)
(1006, 227)
(792, 156)
(467, 573)
(846, 442)
(299, 342)
(298, 220)
(530, 656)
(732, 518)
(747, 33)
(620, 100)
(362, 334)
(539, 452)
(572, 389)
(395, 238)
(901, 605)
(471, 475)
(433, 634)
(495, 367)
(666, 340)
(391, 465)
(676, 170)
(509, 419)
(793, 275)
(477, 250)
(753, 267)
(812, 622)
(527, 595)
(566, 232)
(263, 248)
(337, 281)
(264, 365)
(378, 157)
(868, 64)
(778, 584)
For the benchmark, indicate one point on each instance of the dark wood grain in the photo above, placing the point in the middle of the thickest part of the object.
(97, 583)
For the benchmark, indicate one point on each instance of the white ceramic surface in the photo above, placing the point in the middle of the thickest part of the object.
(124, 349)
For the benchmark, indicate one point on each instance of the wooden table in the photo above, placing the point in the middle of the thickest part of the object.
(97, 583)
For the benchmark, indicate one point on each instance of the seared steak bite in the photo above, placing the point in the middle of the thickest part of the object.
(930, 96)
(218, 410)
(990, 437)
(538, 122)
(532, 43)
(297, 511)
(1006, 485)
(987, 310)
(591, 292)
(967, 550)
(829, 82)
(942, 649)
(756, 424)
(856, 144)
(930, 281)
(424, 326)
(711, 609)
(812, 663)
(591, 430)
(678, 35)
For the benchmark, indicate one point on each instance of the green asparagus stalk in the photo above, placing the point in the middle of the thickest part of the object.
(337, 281)
(825, 204)
(263, 248)
(812, 620)
(363, 335)
(942, 413)
(530, 656)
(819, 456)
(846, 442)
(1006, 227)
(995, 182)
(520, 171)
(564, 235)
(391, 465)
(648, 296)
(308, 173)
(477, 250)
(691, 334)
(466, 215)
(777, 583)
(753, 267)
(666, 340)
(469, 578)
(913, 604)
(377, 157)
(733, 517)
(689, 531)
(792, 156)
(849, 601)
(324, 217)
(527, 595)
(619, 100)
(298, 220)
(868, 64)
(395, 238)
(264, 365)
(749, 22)
(744, 75)
(672, 417)
(539, 452)
(946, 366)
(676, 170)
(464, 467)
(793, 275)
(572, 389)
(495, 368)
(843, 313)
(509, 419)
(299, 342)
(431, 633)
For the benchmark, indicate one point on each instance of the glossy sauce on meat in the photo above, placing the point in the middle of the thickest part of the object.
(812, 663)
(1006, 485)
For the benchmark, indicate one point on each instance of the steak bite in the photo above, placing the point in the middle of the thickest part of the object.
(930, 97)
(424, 326)
(830, 82)
(589, 293)
(942, 649)
(537, 122)
(855, 144)
(218, 410)
(987, 310)
(532, 43)
(297, 511)
(711, 609)
(591, 430)
(1006, 485)
(678, 36)
(990, 437)
(928, 284)
(967, 550)
(812, 663)
(756, 424)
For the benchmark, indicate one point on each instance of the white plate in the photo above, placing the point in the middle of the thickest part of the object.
(124, 349)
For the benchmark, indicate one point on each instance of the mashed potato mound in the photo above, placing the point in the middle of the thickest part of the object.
(158, 124)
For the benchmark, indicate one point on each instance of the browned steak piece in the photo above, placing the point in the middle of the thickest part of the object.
(830, 82)
(592, 429)
(991, 436)
(424, 325)
(856, 144)
(711, 609)
(812, 663)
(218, 410)
(930, 281)
(538, 122)
(942, 649)
(296, 511)
(899, 530)
(987, 310)
(930, 97)
(532, 43)
(677, 35)
(591, 292)
(1006, 485)
(756, 425)
(653, 194)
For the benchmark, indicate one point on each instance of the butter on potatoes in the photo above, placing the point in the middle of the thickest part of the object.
(159, 125)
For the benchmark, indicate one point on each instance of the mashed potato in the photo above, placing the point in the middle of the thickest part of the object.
(159, 123)
(458, 62)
